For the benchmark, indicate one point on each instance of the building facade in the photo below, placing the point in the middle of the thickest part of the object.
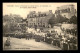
(66, 10)
(39, 19)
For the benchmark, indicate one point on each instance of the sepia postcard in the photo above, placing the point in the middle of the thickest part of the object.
(40, 26)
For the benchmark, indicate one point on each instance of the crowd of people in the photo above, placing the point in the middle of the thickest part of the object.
(62, 41)
(70, 31)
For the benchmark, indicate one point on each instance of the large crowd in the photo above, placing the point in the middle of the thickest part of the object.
(65, 42)
(62, 41)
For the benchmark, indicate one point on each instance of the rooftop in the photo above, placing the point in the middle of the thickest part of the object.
(39, 14)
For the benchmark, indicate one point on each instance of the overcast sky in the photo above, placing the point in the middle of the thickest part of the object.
(23, 9)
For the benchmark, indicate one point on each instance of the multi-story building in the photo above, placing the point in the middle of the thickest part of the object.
(39, 19)
(66, 10)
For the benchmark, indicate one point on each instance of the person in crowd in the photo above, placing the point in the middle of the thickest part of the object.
(65, 45)
(7, 43)
(68, 41)
(30, 36)
(54, 41)
(49, 40)
(60, 40)
(19, 36)
(53, 35)
(71, 43)
(8, 38)
(42, 38)
(37, 38)
(74, 43)
(61, 43)
(57, 37)
(45, 38)
(27, 36)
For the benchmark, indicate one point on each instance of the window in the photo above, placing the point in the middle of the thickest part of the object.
(30, 23)
(43, 24)
(44, 14)
(34, 15)
(38, 23)
(31, 19)
(34, 23)
(41, 15)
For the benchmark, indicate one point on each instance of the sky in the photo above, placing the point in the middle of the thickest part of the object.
(23, 9)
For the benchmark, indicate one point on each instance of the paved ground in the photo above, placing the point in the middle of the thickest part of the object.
(23, 44)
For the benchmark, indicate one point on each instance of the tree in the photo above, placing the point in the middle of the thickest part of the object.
(6, 18)
(52, 20)
(11, 23)
(73, 19)
(61, 19)
(66, 19)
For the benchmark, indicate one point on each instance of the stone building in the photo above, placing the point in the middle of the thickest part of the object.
(66, 10)
(39, 19)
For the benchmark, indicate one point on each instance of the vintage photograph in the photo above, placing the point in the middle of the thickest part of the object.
(40, 26)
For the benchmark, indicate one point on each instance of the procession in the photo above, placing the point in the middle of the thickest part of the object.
(62, 41)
